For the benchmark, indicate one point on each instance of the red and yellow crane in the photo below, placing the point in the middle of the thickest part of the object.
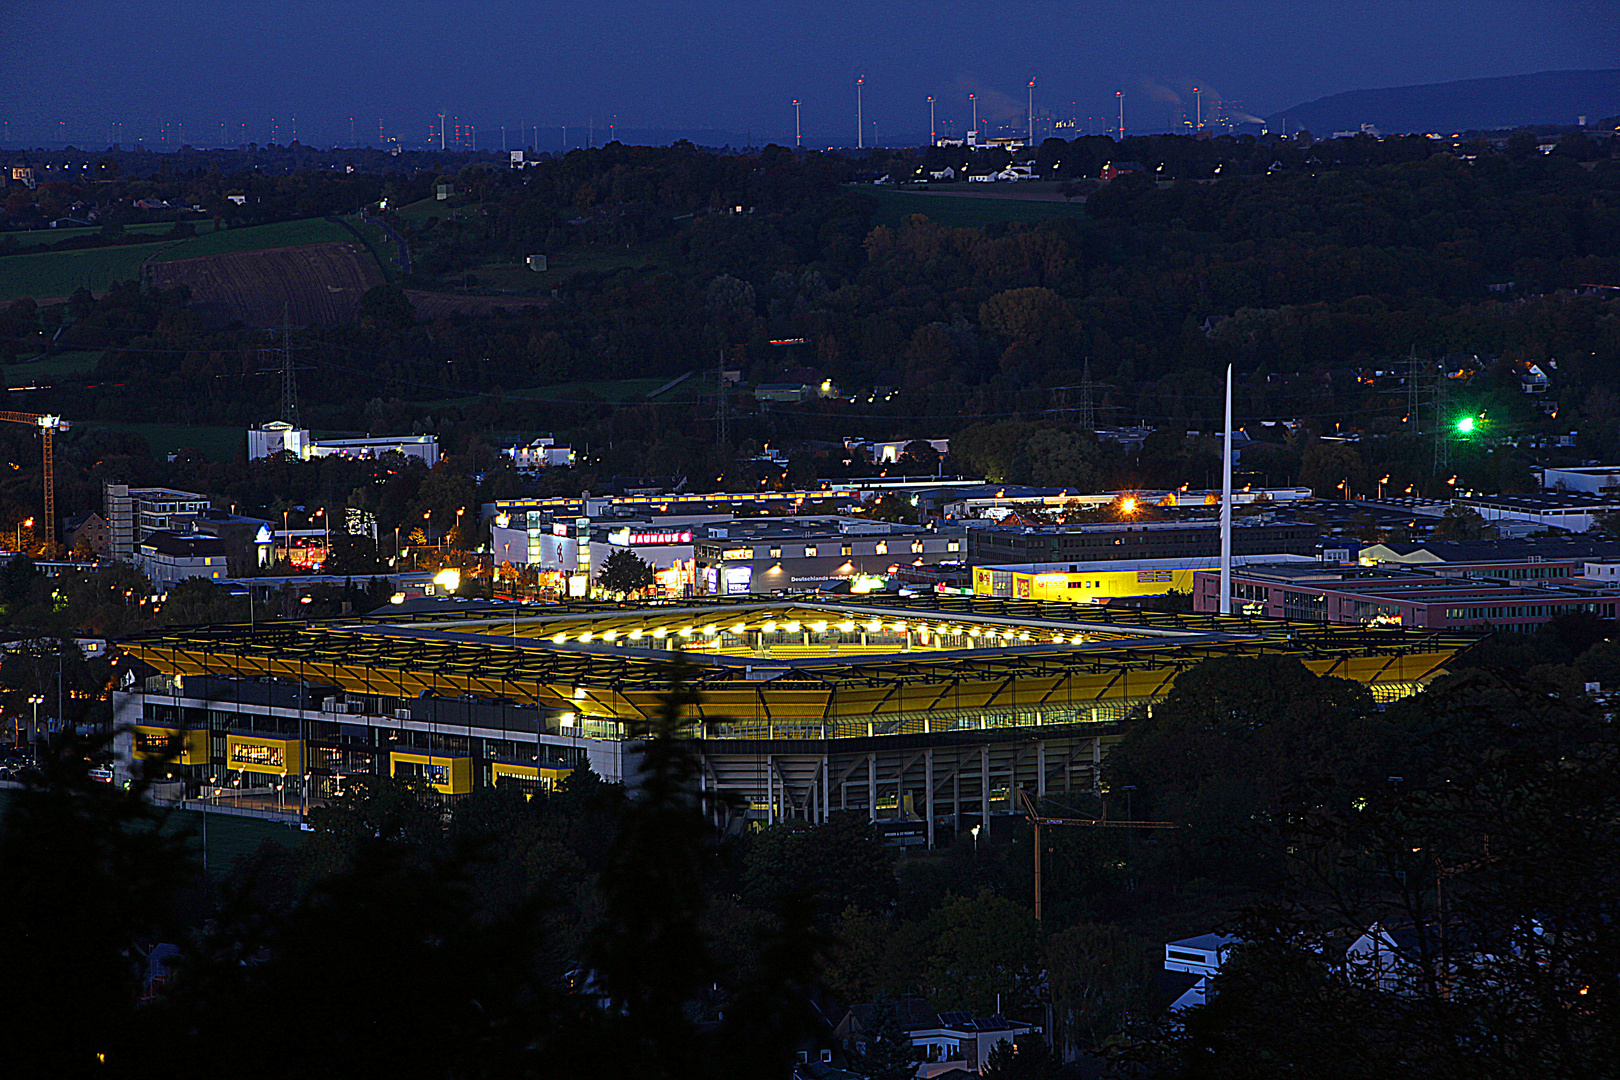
(48, 427)
(1037, 819)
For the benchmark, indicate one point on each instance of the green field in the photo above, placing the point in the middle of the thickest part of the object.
(382, 248)
(216, 443)
(969, 210)
(52, 367)
(42, 237)
(280, 234)
(59, 273)
(423, 209)
(606, 390)
(229, 838)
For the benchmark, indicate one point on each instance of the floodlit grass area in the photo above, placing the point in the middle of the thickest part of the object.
(229, 838)
(59, 273)
(216, 443)
(968, 209)
(53, 367)
(43, 237)
(279, 234)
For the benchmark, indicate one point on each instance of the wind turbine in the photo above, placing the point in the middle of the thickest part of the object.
(797, 141)
(860, 123)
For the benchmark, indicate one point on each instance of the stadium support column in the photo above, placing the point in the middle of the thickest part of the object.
(984, 786)
(770, 791)
(928, 794)
(1040, 769)
(1226, 504)
(871, 786)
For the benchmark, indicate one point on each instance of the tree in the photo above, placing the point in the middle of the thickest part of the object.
(987, 949)
(1463, 523)
(1272, 723)
(87, 871)
(1029, 1058)
(624, 572)
(889, 1054)
(1325, 465)
(1100, 977)
(385, 306)
(1500, 975)
(839, 865)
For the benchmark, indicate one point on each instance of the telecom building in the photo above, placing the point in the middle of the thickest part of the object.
(926, 713)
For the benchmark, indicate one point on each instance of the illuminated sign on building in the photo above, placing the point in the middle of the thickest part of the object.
(737, 553)
(661, 538)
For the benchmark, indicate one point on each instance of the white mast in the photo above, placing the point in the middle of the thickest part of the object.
(1226, 504)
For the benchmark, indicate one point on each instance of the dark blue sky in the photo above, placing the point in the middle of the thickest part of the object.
(719, 64)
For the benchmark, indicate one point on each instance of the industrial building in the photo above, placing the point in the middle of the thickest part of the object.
(1103, 581)
(926, 713)
(134, 513)
(278, 436)
(1136, 541)
(1356, 595)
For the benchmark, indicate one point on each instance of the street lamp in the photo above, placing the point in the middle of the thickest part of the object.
(975, 832)
(34, 700)
(29, 523)
(326, 543)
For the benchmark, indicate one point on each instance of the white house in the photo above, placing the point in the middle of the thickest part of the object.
(1201, 957)
(169, 558)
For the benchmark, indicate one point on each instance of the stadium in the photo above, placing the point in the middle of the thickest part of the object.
(925, 713)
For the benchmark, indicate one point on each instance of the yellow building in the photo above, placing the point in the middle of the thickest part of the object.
(1098, 582)
(915, 710)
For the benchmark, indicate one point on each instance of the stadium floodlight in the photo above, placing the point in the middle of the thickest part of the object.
(1465, 426)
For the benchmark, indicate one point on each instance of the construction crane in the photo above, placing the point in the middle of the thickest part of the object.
(1037, 820)
(48, 427)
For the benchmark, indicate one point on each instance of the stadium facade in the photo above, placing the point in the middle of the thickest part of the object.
(925, 713)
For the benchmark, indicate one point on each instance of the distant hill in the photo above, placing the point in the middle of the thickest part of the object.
(1548, 97)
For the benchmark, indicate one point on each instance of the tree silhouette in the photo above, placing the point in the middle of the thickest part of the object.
(624, 572)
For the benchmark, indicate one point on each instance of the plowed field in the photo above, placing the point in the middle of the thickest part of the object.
(319, 284)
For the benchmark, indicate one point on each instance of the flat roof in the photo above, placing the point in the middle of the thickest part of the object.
(941, 661)
(1189, 562)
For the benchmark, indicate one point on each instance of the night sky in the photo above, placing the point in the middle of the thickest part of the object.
(71, 71)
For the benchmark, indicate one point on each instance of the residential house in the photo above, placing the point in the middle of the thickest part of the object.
(1200, 958)
(169, 558)
(90, 532)
(943, 1042)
